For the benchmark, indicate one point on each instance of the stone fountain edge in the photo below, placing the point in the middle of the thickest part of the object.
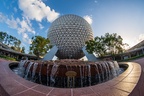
(116, 85)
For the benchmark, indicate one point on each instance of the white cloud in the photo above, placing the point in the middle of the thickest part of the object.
(20, 25)
(26, 38)
(26, 27)
(37, 10)
(41, 26)
(2, 17)
(88, 19)
(12, 23)
(23, 27)
(96, 1)
(135, 40)
(141, 37)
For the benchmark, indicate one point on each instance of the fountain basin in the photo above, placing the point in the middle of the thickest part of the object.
(69, 73)
(68, 65)
(121, 85)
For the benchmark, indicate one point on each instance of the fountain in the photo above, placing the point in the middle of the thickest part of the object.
(69, 73)
(68, 35)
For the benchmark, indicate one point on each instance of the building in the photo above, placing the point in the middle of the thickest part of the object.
(6, 51)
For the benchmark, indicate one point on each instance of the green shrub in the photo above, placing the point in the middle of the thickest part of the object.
(133, 58)
(7, 58)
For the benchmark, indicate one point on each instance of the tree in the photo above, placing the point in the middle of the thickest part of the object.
(11, 41)
(109, 44)
(23, 50)
(96, 46)
(114, 43)
(39, 46)
(2, 36)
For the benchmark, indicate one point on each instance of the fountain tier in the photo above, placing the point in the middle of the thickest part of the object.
(69, 72)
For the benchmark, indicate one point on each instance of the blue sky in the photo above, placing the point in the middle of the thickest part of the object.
(26, 18)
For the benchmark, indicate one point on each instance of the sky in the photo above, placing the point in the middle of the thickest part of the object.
(27, 18)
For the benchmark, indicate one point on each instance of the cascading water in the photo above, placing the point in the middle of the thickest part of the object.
(97, 76)
(89, 74)
(81, 75)
(47, 75)
(40, 73)
(27, 72)
(33, 71)
(69, 73)
(53, 73)
(21, 68)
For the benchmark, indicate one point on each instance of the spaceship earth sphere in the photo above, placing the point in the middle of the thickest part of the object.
(69, 33)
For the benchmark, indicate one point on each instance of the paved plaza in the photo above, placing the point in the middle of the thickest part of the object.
(129, 83)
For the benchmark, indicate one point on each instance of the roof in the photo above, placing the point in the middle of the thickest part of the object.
(6, 48)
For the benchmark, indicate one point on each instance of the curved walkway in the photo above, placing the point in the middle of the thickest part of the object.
(139, 89)
(122, 85)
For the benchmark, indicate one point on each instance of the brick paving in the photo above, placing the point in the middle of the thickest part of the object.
(130, 82)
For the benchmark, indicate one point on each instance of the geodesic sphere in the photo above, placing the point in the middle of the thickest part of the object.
(69, 33)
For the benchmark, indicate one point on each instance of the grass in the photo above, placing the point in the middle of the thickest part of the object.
(133, 58)
(7, 58)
